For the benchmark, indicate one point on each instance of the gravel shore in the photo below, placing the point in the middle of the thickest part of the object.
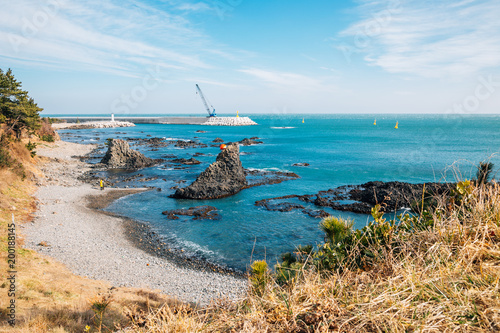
(94, 244)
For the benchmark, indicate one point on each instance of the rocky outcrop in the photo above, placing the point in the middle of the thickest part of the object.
(189, 144)
(198, 213)
(185, 161)
(222, 178)
(120, 156)
(361, 198)
(250, 142)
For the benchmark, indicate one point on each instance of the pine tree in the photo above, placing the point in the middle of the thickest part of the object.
(17, 110)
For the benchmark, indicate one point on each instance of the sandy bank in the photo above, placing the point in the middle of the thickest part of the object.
(93, 244)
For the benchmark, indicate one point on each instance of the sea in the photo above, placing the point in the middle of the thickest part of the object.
(341, 149)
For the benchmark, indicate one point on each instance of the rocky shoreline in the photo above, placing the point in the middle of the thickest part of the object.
(70, 227)
(391, 196)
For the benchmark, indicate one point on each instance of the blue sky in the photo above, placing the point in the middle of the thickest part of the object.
(275, 57)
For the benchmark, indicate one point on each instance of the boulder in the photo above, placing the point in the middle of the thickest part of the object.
(222, 178)
(120, 156)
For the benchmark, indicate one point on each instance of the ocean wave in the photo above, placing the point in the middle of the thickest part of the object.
(283, 127)
(268, 169)
(176, 139)
(197, 248)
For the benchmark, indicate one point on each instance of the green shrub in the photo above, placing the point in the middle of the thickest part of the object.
(5, 159)
(31, 146)
(48, 138)
(259, 276)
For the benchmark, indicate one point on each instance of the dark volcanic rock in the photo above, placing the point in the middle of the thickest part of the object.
(152, 142)
(198, 213)
(320, 214)
(395, 195)
(274, 204)
(222, 178)
(186, 161)
(268, 177)
(189, 144)
(119, 155)
(361, 198)
(218, 140)
(249, 142)
(301, 164)
(200, 131)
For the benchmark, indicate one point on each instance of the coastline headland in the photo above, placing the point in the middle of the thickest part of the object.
(213, 121)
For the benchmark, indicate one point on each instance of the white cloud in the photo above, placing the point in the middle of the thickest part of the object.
(195, 7)
(287, 80)
(428, 38)
(119, 37)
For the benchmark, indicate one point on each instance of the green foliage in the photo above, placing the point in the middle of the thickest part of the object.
(335, 229)
(18, 111)
(259, 276)
(483, 174)
(48, 138)
(346, 248)
(5, 159)
(99, 305)
(31, 146)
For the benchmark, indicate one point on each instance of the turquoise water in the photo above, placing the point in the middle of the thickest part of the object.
(341, 150)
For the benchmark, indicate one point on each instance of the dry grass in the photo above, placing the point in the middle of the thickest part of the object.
(48, 296)
(442, 279)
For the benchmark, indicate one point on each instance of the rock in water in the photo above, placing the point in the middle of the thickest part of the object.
(222, 178)
(119, 155)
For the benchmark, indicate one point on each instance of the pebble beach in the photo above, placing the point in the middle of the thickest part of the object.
(97, 245)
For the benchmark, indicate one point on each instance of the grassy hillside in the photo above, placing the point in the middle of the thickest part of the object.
(438, 271)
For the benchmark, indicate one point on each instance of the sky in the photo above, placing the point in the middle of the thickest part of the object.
(255, 56)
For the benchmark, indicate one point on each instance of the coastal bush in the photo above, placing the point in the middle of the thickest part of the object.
(5, 159)
(48, 138)
(46, 132)
(31, 146)
(484, 173)
(259, 276)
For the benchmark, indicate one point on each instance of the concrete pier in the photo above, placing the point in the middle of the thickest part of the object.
(213, 121)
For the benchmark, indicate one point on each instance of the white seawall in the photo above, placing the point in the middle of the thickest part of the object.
(229, 121)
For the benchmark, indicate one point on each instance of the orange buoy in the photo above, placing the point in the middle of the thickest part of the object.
(222, 146)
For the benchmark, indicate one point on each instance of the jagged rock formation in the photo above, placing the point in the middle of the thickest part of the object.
(222, 178)
(120, 156)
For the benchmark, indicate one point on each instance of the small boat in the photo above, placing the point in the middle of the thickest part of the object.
(396, 127)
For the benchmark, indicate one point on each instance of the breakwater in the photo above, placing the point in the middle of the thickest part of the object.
(229, 121)
(213, 121)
